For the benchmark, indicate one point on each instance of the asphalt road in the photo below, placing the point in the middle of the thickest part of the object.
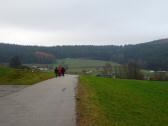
(48, 103)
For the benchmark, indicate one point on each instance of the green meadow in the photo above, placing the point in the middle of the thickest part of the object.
(79, 65)
(115, 102)
(10, 76)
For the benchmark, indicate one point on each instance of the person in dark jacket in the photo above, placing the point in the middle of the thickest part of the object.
(63, 71)
(56, 71)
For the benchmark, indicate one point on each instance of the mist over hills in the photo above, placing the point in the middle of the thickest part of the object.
(151, 55)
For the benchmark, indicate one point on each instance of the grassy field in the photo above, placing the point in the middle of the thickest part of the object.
(9, 76)
(108, 102)
(78, 65)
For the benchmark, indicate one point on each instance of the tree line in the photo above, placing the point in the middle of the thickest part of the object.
(151, 55)
(132, 71)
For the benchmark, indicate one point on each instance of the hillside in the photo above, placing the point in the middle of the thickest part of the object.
(81, 65)
(151, 55)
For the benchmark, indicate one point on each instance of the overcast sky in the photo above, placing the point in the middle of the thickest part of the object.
(67, 22)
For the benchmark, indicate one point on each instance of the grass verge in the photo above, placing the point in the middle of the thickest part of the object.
(108, 102)
(9, 76)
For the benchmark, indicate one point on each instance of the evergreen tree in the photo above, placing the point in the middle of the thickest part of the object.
(15, 62)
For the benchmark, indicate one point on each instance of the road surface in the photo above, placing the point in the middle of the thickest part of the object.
(48, 103)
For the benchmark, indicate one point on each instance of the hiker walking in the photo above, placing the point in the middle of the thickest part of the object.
(59, 71)
(63, 71)
(56, 71)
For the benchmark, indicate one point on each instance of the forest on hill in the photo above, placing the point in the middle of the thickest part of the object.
(151, 55)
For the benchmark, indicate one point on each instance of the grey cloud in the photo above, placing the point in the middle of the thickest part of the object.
(78, 21)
